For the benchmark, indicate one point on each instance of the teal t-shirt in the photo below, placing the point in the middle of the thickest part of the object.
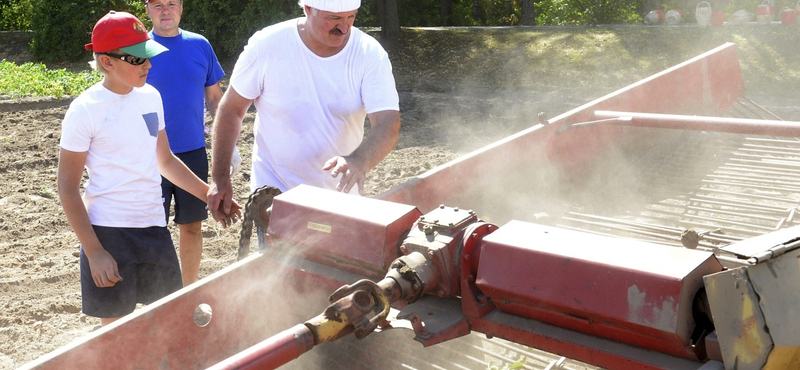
(181, 76)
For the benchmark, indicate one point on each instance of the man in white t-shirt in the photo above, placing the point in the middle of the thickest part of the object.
(313, 81)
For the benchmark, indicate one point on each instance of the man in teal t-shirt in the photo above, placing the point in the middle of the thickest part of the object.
(188, 79)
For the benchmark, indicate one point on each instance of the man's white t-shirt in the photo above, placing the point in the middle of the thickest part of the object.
(120, 134)
(310, 109)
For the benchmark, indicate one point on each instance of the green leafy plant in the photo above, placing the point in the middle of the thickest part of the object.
(515, 366)
(35, 80)
(15, 14)
(62, 28)
(46, 193)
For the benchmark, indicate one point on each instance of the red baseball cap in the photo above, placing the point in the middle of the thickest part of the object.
(121, 30)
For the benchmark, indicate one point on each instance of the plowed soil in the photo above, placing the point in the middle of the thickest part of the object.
(460, 89)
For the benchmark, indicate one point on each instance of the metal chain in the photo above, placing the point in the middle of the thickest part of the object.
(249, 218)
(247, 229)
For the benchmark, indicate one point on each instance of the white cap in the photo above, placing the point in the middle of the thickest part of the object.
(334, 6)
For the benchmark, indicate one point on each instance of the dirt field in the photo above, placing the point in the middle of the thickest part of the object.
(459, 90)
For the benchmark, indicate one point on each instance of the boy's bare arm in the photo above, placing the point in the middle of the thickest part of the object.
(176, 172)
(70, 172)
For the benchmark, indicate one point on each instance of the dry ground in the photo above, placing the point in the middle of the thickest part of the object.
(460, 89)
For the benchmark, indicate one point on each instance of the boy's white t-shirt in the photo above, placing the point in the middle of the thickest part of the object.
(120, 134)
(310, 109)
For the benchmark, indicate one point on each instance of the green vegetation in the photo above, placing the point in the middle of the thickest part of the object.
(605, 58)
(34, 79)
(46, 193)
(514, 366)
(15, 14)
(61, 28)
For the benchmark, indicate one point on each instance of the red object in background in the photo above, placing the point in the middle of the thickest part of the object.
(765, 9)
(787, 16)
(717, 18)
(654, 17)
(765, 13)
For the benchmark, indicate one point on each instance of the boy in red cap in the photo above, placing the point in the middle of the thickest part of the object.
(115, 129)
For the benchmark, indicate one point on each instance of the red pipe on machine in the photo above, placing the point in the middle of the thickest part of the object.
(718, 124)
(272, 352)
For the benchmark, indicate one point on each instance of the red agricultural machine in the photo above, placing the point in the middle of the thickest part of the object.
(653, 228)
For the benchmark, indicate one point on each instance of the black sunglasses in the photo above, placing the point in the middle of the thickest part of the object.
(128, 58)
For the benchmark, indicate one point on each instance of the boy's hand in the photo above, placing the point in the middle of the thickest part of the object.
(104, 269)
(231, 217)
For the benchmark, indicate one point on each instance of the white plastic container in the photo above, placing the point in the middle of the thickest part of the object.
(702, 13)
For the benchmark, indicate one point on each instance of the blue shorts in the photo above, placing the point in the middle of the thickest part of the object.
(188, 208)
(147, 262)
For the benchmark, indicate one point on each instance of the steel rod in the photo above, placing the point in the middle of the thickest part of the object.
(753, 186)
(794, 150)
(701, 123)
(747, 195)
(773, 140)
(768, 166)
(731, 213)
(751, 110)
(757, 180)
(761, 170)
(743, 98)
(660, 241)
(738, 204)
(770, 161)
(737, 109)
(630, 223)
(729, 222)
(623, 228)
(770, 152)
(272, 352)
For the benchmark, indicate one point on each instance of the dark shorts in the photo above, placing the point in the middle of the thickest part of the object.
(188, 208)
(147, 262)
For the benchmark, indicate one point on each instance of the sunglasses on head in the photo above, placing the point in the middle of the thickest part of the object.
(128, 58)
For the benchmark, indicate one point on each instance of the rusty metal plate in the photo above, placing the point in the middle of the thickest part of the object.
(777, 283)
(755, 310)
(738, 320)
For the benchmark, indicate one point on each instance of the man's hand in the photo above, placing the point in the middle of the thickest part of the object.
(224, 209)
(352, 174)
(104, 269)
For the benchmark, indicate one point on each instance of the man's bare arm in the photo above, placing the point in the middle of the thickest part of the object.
(225, 133)
(213, 95)
(383, 136)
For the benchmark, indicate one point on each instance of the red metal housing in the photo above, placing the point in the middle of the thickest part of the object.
(355, 234)
(622, 289)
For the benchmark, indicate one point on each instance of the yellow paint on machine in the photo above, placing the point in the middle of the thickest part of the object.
(782, 358)
(750, 346)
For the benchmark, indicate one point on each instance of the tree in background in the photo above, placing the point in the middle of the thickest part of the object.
(228, 24)
(587, 12)
(389, 20)
(528, 14)
(477, 12)
(58, 24)
(15, 15)
(61, 28)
